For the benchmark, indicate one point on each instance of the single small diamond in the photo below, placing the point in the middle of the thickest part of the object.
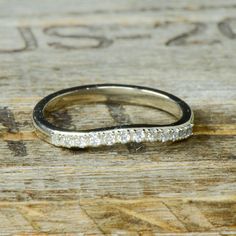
(175, 134)
(171, 135)
(68, 141)
(183, 133)
(94, 139)
(56, 139)
(61, 139)
(152, 135)
(123, 136)
(164, 136)
(138, 136)
(190, 130)
(81, 141)
(109, 138)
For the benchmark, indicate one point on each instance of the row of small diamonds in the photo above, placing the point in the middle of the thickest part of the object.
(123, 136)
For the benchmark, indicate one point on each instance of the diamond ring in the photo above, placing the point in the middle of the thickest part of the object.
(128, 94)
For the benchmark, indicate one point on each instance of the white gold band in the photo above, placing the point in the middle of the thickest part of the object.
(130, 94)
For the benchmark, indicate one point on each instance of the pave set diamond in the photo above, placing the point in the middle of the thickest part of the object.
(123, 135)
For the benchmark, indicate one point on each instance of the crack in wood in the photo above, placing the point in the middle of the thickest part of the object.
(226, 29)
(153, 9)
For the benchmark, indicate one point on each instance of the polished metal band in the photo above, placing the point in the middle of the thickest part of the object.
(104, 93)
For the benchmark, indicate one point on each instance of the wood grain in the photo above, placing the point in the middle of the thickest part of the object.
(183, 188)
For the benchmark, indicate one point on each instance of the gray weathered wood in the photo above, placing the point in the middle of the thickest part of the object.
(186, 48)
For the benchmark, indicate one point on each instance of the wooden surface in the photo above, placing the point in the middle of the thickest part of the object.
(183, 47)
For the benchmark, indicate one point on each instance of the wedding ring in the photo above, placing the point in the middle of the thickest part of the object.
(108, 93)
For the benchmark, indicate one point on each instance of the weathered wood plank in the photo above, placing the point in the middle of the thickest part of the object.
(184, 188)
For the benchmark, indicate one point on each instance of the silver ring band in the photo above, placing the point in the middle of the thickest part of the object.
(128, 94)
